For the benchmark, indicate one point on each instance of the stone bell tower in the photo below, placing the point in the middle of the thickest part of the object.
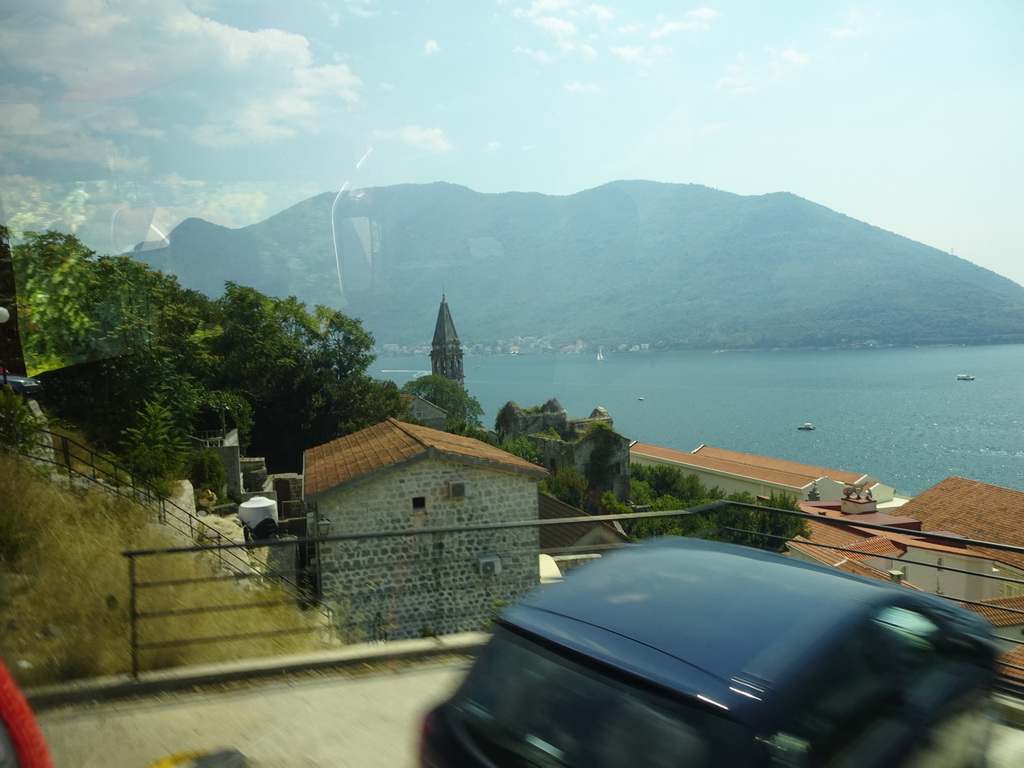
(446, 349)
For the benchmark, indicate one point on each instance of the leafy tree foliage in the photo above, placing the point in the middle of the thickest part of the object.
(302, 372)
(567, 485)
(523, 448)
(156, 447)
(665, 488)
(462, 407)
(286, 376)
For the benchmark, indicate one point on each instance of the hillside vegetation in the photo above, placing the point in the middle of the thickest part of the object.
(64, 589)
(632, 261)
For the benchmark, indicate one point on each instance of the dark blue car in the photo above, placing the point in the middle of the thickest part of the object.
(692, 653)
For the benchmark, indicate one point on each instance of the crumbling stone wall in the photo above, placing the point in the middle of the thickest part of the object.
(568, 442)
(415, 585)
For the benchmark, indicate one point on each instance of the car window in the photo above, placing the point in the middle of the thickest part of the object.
(525, 706)
(884, 692)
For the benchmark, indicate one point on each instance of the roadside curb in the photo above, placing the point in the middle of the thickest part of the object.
(183, 678)
(1008, 710)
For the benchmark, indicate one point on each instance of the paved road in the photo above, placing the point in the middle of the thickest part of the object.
(336, 720)
(311, 722)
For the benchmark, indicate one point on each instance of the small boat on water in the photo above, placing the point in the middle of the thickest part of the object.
(964, 377)
(600, 353)
(807, 426)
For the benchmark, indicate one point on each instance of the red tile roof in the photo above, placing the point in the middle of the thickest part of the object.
(1000, 611)
(777, 471)
(393, 442)
(975, 510)
(1012, 663)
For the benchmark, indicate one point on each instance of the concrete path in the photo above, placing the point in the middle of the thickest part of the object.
(315, 720)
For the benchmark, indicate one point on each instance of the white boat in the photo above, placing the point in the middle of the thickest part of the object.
(964, 377)
(600, 353)
(807, 426)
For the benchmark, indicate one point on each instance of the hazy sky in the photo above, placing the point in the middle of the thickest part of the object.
(906, 115)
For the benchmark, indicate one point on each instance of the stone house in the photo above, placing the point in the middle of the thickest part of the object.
(579, 443)
(425, 412)
(397, 479)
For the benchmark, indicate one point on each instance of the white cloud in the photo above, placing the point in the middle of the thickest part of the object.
(431, 139)
(693, 21)
(578, 87)
(851, 29)
(735, 80)
(494, 146)
(540, 56)
(556, 26)
(224, 85)
(632, 54)
(431, 46)
(791, 55)
(542, 7)
(588, 51)
(360, 8)
(601, 12)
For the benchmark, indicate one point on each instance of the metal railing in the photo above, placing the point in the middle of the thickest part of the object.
(75, 460)
(400, 584)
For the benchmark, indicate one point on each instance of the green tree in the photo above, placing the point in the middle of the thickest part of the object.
(567, 485)
(155, 448)
(17, 424)
(667, 488)
(462, 407)
(303, 373)
(523, 448)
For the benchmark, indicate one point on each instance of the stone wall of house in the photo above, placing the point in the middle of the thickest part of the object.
(422, 584)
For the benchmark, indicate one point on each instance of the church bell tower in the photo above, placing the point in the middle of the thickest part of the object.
(446, 349)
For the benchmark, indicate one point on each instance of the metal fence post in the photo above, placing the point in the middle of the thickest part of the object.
(134, 615)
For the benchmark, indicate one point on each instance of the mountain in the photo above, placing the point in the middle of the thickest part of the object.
(673, 265)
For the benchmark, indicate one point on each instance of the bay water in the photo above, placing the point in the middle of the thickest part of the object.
(897, 414)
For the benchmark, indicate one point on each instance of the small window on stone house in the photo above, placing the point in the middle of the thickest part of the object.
(419, 503)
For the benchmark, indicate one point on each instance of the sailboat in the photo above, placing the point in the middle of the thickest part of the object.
(600, 353)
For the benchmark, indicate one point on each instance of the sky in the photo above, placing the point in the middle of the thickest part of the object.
(120, 118)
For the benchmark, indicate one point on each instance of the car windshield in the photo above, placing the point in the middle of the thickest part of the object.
(527, 706)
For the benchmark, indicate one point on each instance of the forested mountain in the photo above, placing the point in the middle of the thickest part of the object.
(629, 262)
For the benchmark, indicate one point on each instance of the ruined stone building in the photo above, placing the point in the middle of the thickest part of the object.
(591, 445)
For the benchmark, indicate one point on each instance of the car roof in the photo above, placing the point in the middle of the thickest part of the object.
(707, 619)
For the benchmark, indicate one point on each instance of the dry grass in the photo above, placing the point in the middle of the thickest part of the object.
(65, 598)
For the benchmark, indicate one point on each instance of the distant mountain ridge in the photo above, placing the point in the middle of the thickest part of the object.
(673, 265)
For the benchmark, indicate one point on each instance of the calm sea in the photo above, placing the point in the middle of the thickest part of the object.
(898, 415)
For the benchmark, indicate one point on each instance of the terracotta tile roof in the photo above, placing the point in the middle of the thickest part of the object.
(975, 510)
(778, 471)
(554, 537)
(1012, 663)
(392, 442)
(843, 533)
(842, 561)
(1000, 611)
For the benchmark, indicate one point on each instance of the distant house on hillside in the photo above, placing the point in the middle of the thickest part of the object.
(735, 472)
(978, 511)
(989, 581)
(425, 412)
(396, 477)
